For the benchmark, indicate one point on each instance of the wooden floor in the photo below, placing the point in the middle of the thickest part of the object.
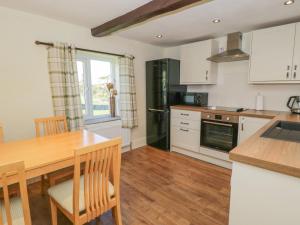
(160, 188)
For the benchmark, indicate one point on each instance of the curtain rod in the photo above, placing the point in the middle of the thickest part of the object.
(81, 49)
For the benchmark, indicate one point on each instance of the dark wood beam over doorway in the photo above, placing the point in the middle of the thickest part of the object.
(142, 13)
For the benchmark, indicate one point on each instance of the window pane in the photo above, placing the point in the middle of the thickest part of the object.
(80, 72)
(100, 76)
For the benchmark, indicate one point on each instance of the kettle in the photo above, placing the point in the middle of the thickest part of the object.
(294, 104)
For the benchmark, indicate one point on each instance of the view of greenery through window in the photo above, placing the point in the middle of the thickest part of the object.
(93, 75)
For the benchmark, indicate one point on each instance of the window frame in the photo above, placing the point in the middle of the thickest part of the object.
(85, 58)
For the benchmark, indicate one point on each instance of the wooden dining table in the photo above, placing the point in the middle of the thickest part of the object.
(47, 154)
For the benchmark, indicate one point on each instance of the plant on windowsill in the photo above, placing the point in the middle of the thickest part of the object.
(112, 99)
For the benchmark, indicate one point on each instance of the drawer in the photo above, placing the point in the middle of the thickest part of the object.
(185, 138)
(185, 114)
(191, 124)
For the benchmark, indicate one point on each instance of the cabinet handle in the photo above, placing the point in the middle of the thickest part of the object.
(242, 127)
(295, 67)
(295, 75)
(184, 123)
(184, 130)
(206, 77)
(288, 67)
(287, 75)
(184, 114)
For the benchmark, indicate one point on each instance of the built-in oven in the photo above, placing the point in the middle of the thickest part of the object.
(219, 131)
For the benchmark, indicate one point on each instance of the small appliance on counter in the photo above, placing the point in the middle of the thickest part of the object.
(259, 102)
(294, 104)
(194, 99)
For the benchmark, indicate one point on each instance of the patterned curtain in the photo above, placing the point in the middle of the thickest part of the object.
(128, 108)
(64, 84)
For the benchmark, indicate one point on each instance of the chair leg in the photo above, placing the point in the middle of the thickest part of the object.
(53, 212)
(98, 220)
(117, 214)
(43, 183)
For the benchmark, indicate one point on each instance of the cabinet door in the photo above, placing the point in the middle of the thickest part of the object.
(185, 138)
(249, 125)
(272, 54)
(296, 63)
(185, 114)
(194, 68)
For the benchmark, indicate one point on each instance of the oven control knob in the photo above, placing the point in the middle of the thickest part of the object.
(227, 118)
(208, 116)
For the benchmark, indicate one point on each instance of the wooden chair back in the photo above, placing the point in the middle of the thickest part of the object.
(1, 134)
(5, 171)
(50, 126)
(102, 163)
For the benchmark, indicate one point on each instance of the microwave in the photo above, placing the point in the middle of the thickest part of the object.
(194, 99)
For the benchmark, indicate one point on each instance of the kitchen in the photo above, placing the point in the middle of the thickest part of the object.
(208, 127)
(194, 105)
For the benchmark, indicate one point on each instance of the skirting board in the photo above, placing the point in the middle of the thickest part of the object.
(202, 157)
(140, 142)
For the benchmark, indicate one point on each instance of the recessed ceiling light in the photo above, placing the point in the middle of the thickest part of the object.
(159, 36)
(216, 20)
(289, 2)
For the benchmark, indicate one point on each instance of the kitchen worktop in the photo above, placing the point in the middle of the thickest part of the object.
(275, 155)
(268, 114)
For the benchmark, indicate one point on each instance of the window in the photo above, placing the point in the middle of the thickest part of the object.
(94, 72)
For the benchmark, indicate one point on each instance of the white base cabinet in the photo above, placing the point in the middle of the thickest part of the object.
(185, 138)
(263, 197)
(185, 129)
(249, 125)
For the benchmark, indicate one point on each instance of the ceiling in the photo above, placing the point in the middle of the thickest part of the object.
(185, 26)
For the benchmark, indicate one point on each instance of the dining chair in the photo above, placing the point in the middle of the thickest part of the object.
(88, 196)
(1, 134)
(14, 211)
(47, 127)
(13, 189)
(50, 126)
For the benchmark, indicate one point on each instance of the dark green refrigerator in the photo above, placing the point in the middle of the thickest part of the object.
(163, 89)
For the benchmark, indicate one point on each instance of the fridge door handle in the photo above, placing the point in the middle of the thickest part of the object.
(156, 110)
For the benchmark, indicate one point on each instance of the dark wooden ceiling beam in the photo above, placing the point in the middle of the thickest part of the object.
(142, 13)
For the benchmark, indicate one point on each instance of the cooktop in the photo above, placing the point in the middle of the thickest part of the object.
(223, 108)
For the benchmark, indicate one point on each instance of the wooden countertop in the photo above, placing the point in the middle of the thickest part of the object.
(275, 155)
(268, 114)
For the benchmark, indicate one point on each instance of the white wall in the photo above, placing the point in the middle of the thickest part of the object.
(24, 84)
(232, 88)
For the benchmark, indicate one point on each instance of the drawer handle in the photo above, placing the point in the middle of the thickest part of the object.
(184, 114)
(184, 130)
(220, 124)
(184, 123)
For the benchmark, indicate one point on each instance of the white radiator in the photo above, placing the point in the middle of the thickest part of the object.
(111, 129)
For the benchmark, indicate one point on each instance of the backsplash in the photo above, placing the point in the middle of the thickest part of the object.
(232, 88)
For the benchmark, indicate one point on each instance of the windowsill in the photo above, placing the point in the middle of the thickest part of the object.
(101, 120)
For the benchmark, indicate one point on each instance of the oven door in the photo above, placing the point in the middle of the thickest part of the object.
(219, 135)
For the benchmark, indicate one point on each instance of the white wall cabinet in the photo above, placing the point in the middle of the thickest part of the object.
(194, 66)
(296, 61)
(249, 125)
(272, 55)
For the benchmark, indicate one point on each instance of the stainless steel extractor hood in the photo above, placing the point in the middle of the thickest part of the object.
(233, 52)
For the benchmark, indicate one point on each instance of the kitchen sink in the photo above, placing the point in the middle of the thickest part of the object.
(283, 130)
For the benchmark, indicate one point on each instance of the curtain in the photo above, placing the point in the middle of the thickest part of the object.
(128, 107)
(64, 84)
